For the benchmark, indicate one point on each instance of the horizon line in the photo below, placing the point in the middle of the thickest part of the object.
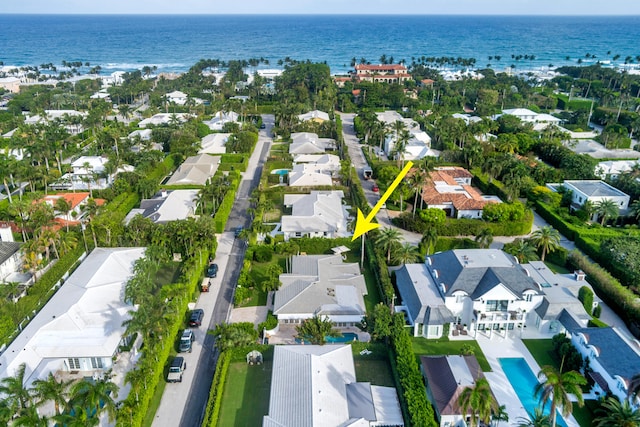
(635, 14)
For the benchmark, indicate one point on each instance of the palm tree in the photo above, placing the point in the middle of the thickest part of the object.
(429, 238)
(316, 330)
(556, 386)
(62, 206)
(617, 414)
(95, 396)
(484, 238)
(546, 238)
(479, 401)
(536, 419)
(52, 390)
(29, 417)
(635, 209)
(17, 395)
(607, 209)
(406, 253)
(523, 250)
(500, 414)
(388, 239)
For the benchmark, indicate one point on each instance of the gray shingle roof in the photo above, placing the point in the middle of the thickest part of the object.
(419, 294)
(616, 357)
(7, 249)
(596, 188)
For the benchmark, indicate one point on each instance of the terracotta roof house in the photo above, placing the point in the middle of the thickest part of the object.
(385, 73)
(76, 202)
(446, 378)
(449, 188)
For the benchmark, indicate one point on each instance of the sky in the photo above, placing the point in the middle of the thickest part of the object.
(420, 7)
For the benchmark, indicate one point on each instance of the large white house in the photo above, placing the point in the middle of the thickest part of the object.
(195, 170)
(220, 118)
(318, 214)
(164, 119)
(540, 121)
(10, 255)
(594, 191)
(80, 329)
(314, 116)
(167, 206)
(314, 386)
(310, 143)
(214, 143)
(321, 285)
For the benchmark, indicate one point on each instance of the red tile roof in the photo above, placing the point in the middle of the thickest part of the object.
(380, 67)
(469, 199)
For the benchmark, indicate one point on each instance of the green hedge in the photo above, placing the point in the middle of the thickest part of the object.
(482, 181)
(621, 299)
(548, 214)
(212, 412)
(121, 205)
(596, 323)
(224, 210)
(163, 168)
(448, 243)
(466, 226)
(573, 105)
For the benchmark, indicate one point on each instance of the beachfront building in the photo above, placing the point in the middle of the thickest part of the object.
(613, 361)
(318, 214)
(78, 332)
(474, 289)
(310, 143)
(383, 73)
(594, 191)
(449, 188)
(219, 119)
(195, 170)
(315, 116)
(167, 206)
(446, 377)
(321, 285)
(11, 84)
(315, 385)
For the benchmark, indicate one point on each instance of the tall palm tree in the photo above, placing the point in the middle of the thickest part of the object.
(29, 417)
(500, 414)
(484, 238)
(547, 239)
(430, 238)
(388, 238)
(536, 419)
(62, 206)
(95, 396)
(52, 390)
(607, 209)
(17, 395)
(406, 253)
(523, 250)
(316, 330)
(479, 401)
(617, 414)
(556, 388)
(635, 209)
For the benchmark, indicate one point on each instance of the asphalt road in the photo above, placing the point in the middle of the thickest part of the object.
(194, 410)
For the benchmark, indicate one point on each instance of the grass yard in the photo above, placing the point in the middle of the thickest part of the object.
(425, 347)
(558, 269)
(542, 351)
(245, 399)
(377, 372)
(585, 415)
(258, 274)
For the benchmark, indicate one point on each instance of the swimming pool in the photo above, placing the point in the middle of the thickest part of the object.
(524, 382)
(280, 172)
(346, 337)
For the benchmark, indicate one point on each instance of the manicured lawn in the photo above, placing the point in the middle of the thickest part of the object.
(585, 415)
(558, 269)
(245, 398)
(258, 274)
(425, 347)
(168, 273)
(377, 372)
(542, 351)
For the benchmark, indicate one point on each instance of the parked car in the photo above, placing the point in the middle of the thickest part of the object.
(185, 341)
(238, 231)
(262, 126)
(375, 188)
(212, 270)
(178, 365)
(195, 319)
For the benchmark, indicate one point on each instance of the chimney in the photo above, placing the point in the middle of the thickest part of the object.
(163, 193)
(579, 275)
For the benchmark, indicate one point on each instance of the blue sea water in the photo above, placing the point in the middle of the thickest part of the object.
(174, 43)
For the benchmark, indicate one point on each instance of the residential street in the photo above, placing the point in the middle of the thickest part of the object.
(183, 404)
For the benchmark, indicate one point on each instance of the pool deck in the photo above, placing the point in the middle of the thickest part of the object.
(496, 347)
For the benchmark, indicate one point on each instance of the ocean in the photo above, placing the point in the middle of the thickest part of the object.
(174, 43)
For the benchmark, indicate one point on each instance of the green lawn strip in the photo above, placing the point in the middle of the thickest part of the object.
(585, 415)
(542, 352)
(558, 269)
(245, 398)
(425, 347)
(168, 273)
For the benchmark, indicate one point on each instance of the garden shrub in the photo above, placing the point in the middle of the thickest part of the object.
(596, 323)
(263, 253)
(585, 295)
(270, 323)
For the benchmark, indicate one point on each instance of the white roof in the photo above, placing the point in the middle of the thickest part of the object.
(96, 162)
(316, 212)
(309, 175)
(163, 119)
(327, 160)
(144, 134)
(315, 114)
(195, 170)
(308, 385)
(83, 319)
(177, 205)
(214, 143)
(176, 94)
(309, 143)
(615, 167)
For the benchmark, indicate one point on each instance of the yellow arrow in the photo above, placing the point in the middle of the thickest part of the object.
(363, 224)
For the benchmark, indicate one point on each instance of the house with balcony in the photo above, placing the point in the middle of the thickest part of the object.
(79, 331)
(382, 73)
(321, 285)
(613, 360)
(472, 289)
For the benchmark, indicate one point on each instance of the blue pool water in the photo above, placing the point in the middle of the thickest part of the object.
(346, 337)
(524, 382)
(280, 172)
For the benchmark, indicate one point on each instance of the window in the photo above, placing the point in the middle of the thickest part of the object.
(74, 363)
(510, 326)
(528, 297)
(459, 298)
(298, 234)
(96, 363)
(497, 305)
(481, 326)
